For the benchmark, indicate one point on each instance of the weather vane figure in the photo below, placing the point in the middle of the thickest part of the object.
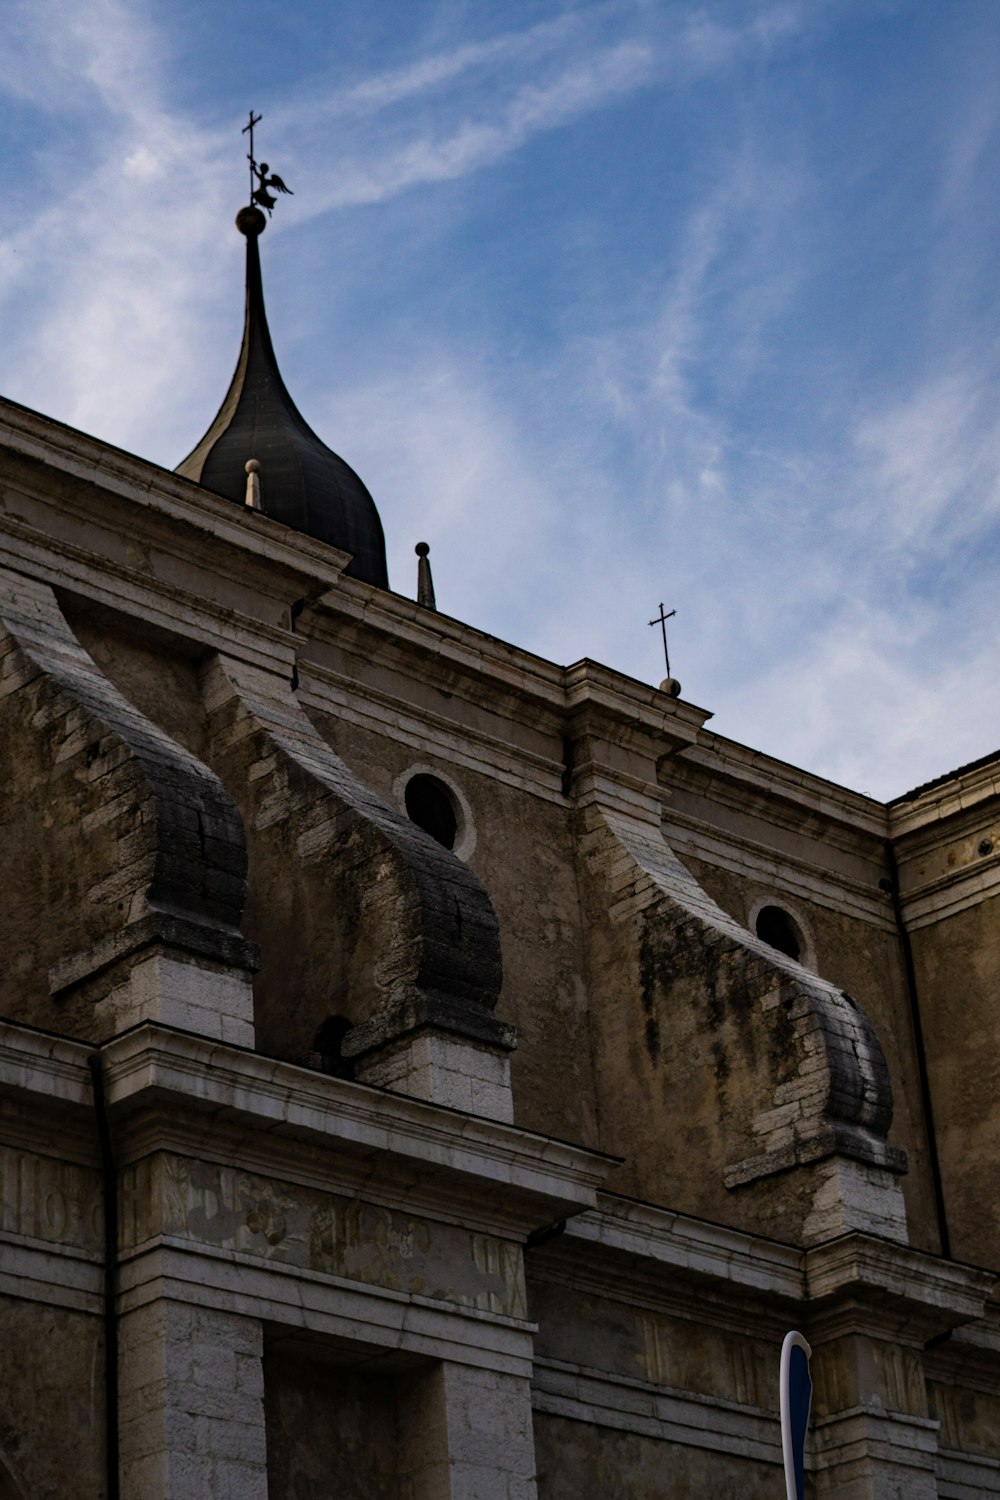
(260, 183)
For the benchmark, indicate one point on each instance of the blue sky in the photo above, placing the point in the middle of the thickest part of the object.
(610, 302)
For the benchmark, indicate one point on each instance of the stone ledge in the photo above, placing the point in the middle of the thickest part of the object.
(966, 1476)
(623, 1226)
(531, 1179)
(864, 1433)
(839, 1140)
(218, 945)
(62, 1276)
(379, 1317)
(45, 1064)
(876, 1282)
(685, 1418)
(427, 1011)
(802, 879)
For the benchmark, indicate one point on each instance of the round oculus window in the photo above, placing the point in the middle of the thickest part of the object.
(776, 928)
(430, 804)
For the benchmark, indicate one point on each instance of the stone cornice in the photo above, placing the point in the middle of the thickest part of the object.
(764, 863)
(163, 1086)
(100, 470)
(962, 793)
(653, 1258)
(385, 629)
(688, 1247)
(324, 691)
(439, 1156)
(858, 1280)
(749, 781)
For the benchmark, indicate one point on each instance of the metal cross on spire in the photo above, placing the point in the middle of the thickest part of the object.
(260, 195)
(669, 684)
(251, 122)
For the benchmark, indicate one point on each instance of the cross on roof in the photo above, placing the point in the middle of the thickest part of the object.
(661, 620)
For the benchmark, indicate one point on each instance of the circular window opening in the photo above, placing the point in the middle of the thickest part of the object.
(431, 806)
(776, 928)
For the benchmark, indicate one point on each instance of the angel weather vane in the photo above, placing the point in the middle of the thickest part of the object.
(260, 182)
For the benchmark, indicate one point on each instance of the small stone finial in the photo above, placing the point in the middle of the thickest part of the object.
(253, 484)
(425, 583)
(672, 686)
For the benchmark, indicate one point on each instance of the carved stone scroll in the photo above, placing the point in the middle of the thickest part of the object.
(124, 864)
(744, 1064)
(359, 913)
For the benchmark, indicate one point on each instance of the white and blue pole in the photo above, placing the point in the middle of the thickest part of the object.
(795, 1387)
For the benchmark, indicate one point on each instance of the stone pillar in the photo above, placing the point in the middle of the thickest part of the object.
(879, 1441)
(466, 1434)
(192, 1405)
(873, 1308)
(443, 1069)
(165, 969)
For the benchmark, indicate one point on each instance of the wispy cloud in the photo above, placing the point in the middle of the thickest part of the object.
(934, 461)
(658, 446)
(523, 84)
(527, 46)
(470, 145)
(120, 262)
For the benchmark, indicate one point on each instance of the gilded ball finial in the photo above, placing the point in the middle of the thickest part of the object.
(250, 221)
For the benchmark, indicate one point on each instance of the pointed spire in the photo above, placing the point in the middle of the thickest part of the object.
(305, 484)
(425, 583)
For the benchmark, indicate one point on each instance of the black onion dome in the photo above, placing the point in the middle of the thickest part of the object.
(302, 482)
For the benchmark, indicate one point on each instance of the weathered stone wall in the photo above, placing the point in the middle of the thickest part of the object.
(359, 913)
(523, 854)
(723, 1052)
(866, 961)
(330, 1431)
(968, 1410)
(51, 1400)
(576, 1460)
(630, 1339)
(957, 963)
(192, 1419)
(156, 669)
(353, 910)
(114, 840)
(268, 1208)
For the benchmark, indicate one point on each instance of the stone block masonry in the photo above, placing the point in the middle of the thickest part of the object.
(192, 1407)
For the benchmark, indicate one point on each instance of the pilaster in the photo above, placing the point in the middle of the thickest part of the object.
(192, 1404)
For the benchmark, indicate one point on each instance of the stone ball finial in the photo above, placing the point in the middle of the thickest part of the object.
(252, 467)
(672, 686)
(251, 222)
(425, 583)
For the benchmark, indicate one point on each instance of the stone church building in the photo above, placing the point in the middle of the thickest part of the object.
(431, 1073)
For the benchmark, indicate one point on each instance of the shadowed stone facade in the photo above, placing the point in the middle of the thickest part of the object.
(486, 1173)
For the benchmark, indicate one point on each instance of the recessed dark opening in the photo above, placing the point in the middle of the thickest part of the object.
(430, 805)
(328, 1042)
(776, 928)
